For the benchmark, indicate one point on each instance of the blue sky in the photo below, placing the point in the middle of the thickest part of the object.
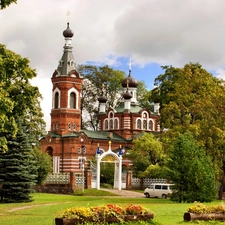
(110, 32)
(146, 73)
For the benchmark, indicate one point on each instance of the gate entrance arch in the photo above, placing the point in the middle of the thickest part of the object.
(118, 158)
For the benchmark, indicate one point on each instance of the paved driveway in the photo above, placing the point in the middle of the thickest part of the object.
(126, 193)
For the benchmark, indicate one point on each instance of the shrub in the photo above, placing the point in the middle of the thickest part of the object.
(110, 210)
(201, 208)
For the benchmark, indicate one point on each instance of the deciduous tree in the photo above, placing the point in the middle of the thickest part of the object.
(191, 99)
(146, 151)
(44, 165)
(95, 78)
(18, 98)
(5, 3)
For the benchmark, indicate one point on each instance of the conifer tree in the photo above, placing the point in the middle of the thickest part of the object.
(191, 171)
(18, 168)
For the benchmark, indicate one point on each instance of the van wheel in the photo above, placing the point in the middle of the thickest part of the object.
(164, 196)
(147, 195)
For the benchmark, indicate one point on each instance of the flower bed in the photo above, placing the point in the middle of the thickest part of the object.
(202, 212)
(110, 213)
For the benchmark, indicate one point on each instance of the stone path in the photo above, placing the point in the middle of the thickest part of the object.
(126, 193)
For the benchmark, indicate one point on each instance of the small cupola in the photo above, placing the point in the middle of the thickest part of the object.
(127, 95)
(127, 99)
(68, 33)
(102, 101)
(133, 83)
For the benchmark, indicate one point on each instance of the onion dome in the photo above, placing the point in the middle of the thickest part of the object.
(130, 80)
(68, 33)
(127, 95)
(102, 99)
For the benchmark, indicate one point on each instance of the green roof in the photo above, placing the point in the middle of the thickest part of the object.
(133, 108)
(54, 135)
(103, 135)
(98, 135)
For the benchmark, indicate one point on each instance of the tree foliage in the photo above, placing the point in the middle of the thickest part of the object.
(95, 78)
(107, 173)
(191, 99)
(44, 165)
(146, 151)
(143, 95)
(18, 98)
(5, 3)
(18, 168)
(191, 171)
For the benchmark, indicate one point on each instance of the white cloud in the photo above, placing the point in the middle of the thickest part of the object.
(44, 85)
(220, 73)
(171, 32)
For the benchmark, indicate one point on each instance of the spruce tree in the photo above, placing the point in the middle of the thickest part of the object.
(191, 171)
(18, 168)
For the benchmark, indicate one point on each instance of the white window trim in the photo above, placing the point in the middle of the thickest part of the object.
(68, 97)
(53, 97)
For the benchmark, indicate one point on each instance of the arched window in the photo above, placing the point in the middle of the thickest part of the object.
(56, 100)
(145, 124)
(60, 63)
(116, 124)
(111, 115)
(106, 125)
(138, 124)
(49, 150)
(111, 124)
(72, 100)
(150, 125)
(70, 126)
(71, 63)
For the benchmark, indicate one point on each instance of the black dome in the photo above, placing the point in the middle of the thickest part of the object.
(68, 32)
(127, 95)
(132, 82)
(102, 99)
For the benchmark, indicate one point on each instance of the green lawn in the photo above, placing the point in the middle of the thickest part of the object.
(45, 207)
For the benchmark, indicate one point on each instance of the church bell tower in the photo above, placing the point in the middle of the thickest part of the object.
(67, 82)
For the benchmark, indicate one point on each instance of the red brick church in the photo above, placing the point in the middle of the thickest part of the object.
(69, 145)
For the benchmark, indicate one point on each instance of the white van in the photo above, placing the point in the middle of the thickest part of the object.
(158, 190)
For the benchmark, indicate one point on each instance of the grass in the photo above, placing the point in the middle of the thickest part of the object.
(93, 192)
(45, 208)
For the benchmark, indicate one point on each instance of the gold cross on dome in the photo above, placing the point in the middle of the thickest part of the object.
(68, 16)
(110, 143)
(103, 87)
(127, 82)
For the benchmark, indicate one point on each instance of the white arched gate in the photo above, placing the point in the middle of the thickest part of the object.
(118, 166)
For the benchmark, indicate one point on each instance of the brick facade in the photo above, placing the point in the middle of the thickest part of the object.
(68, 145)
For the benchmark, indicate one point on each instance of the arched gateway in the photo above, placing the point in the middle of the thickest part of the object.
(118, 169)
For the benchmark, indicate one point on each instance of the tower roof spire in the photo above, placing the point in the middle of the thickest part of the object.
(67, 66)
